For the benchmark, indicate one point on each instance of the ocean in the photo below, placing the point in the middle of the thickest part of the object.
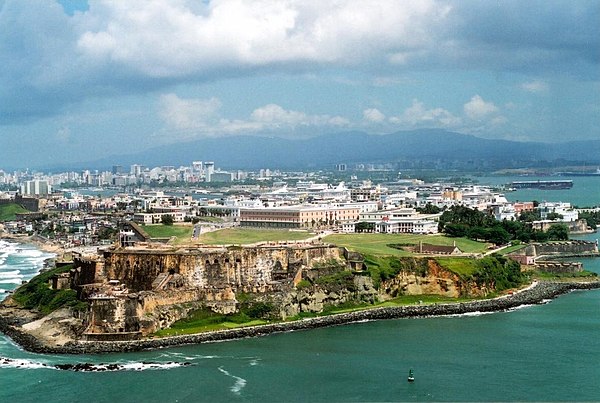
(548, 352)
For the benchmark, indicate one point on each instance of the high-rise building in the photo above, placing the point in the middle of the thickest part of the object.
(36, 188)
(136, 170)
(209, 169)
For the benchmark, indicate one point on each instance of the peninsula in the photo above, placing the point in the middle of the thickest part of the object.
(127, 297)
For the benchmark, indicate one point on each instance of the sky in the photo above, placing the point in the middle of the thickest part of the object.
(81, 80)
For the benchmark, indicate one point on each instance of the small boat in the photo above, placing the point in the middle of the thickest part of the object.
(411, 376)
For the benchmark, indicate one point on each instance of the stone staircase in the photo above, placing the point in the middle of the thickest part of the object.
(161, 281)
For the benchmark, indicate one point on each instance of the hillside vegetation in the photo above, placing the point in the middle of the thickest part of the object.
(37, 294)
(8, 211)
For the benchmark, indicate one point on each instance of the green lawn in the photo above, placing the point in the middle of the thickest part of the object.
(459, 265)
(242, 236)
(8, 211)
(183, 233)
(376, 244)
(511, 249)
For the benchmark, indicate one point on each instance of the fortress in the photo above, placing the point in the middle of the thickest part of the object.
(134, 291)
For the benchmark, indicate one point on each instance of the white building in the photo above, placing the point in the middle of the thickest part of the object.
(564, 209)
(36, 187)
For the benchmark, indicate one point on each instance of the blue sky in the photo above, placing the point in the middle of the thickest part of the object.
(85, 79)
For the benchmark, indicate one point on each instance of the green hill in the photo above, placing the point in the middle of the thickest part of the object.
(8, 211)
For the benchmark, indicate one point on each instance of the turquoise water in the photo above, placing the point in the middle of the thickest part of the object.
(584, 193)
(547, 352)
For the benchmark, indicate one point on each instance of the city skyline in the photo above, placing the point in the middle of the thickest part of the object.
(107, 78)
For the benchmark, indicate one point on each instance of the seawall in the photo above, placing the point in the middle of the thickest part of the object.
(537, 293)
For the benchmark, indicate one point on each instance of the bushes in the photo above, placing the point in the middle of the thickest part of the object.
(337, 281)
(503, 273)
(36, 294)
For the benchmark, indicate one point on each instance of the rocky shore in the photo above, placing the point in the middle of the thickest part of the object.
(10, 324)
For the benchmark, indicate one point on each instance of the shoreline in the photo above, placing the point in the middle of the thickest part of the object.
(536, 293)
(43, 245)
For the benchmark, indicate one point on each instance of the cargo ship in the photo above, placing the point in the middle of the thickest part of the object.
(581, 173)
(543, 185)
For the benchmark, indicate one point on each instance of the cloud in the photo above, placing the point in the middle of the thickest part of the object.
(478, 109)
(187, 118)
(418, 116)
(52, 59)
(536, 86)
(373, 115)
(188, 113)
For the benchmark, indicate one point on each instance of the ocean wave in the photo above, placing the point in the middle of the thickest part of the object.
(31, 253)
(239, 384)
(10, 273)
(89, 367)
(462, 315)
(23, 364)
(11, 281)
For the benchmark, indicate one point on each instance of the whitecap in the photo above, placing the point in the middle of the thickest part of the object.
(239, 384)
(10, 273)
(11, 281)
(22, 364)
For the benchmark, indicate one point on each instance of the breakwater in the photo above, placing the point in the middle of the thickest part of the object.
(535, 294)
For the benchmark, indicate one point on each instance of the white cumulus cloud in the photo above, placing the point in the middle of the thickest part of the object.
(373, 115)
(417, 115)
(478, 109)
(186, 118)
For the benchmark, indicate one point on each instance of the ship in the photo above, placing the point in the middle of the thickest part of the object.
(543, 185)
(581, 173)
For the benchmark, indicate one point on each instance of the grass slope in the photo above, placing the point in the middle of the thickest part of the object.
(243, 236)
(182, 233)
(377, 244)
(8, 211)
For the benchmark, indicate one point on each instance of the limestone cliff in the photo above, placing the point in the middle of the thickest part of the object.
(425, 276)
(135, 291)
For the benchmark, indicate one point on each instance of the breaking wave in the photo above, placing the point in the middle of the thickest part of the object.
(89, 367)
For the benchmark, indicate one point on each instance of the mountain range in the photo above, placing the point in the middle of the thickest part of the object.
(438, 148)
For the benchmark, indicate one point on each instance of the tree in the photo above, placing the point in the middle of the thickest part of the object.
(498, 235)
(558, 232)
(554, 216)
(429, 209)
(167, 219)
(364, 227)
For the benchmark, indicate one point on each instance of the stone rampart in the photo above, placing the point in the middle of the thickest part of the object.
(242, 268)
(562, 248)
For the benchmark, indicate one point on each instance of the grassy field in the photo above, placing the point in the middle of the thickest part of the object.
(8, 211)
(242, 236)
(182, 233)
(206, 321)
(377, 244)
(513, 248)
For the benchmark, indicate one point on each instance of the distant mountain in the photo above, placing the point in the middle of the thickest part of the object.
(433, 146)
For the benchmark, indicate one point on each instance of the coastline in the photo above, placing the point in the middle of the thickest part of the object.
(536, 293)
(39, 242)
